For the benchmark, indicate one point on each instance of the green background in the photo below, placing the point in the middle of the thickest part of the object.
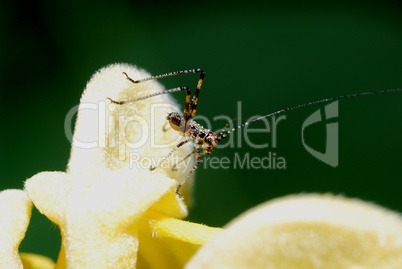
(267, 55)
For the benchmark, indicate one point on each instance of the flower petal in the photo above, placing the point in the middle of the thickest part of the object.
(15, 212)
(307, 231)
(34, 261)
(194, 233)
(102, 198)
(48, 190)
(98, 220)
(109, 137)
(171, 240)
(161, 252)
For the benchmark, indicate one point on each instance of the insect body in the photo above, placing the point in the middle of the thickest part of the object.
(204, 138)
(184, 123)
(194, 131)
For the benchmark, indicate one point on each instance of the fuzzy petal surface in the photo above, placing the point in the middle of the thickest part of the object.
(107, 202)
(15, 212)
(307, 231)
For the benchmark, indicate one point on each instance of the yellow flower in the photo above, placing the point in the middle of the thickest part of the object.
(111, 210)
(307, 231)
(114, 213)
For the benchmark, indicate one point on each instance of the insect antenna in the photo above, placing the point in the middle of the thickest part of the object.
(227, 124)
(223, 135)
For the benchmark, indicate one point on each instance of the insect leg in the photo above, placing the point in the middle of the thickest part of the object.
(170, 153)
(191, 107)
(178, 89)
(194, 102)
(197, 162)
(182, 160)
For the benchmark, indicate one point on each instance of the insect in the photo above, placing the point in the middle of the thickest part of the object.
(204, 138)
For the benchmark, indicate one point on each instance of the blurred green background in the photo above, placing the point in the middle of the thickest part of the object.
(267, 55)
